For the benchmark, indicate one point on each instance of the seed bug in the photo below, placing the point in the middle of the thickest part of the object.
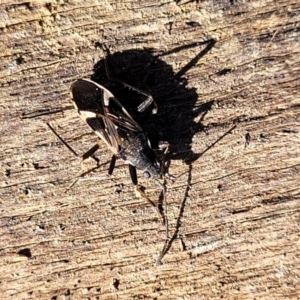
(115, 127)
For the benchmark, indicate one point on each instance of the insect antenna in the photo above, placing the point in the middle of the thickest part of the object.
(164, 146)
(164, 220)
(164, 211)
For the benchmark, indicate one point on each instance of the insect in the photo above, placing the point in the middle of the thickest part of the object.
(124, 136)
(115, 127)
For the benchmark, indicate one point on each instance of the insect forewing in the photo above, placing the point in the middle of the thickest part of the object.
(99, 108)
(91, 101)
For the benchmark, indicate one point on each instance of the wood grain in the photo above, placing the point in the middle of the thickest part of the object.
(225, 75)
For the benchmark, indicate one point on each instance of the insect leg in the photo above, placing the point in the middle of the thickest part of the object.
(112, 165)
(164, 146)
(85, 155)
(132, 171)
(58, 136)
(92, 150)
(145, 103)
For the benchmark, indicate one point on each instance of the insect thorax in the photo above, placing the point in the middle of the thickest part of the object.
(136, 150)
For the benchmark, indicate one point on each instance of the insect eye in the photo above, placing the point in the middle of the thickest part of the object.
(147, 175)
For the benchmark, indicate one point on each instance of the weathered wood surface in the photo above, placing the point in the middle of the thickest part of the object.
(235, 205)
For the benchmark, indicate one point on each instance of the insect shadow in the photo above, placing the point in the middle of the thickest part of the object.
(174, 121)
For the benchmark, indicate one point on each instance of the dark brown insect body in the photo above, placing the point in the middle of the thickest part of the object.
(112, 123)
